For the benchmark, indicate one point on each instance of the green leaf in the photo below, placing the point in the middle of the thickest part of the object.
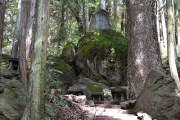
(5, 44)
(58, 71)
(47, 118)
(58, 90)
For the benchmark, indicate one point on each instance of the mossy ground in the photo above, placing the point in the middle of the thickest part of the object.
(107, 42)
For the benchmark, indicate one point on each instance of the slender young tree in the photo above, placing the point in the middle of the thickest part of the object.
(143, 48)
(158, 23)
(15, 45)
(171, 38)
(178, 23)
(2, 12)
(163, 22)
(86, 16)
(22, 45)
(29, 29)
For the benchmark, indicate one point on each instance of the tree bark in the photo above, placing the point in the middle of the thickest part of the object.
(103, 4)
(2, 12)
(22, 45)
(86, 16)
(164, 28)
(39, 55)
(143, 48)
(17, 30)
(171, 38)
(76, 13)
(157, 22)
(178, 25)
(29, 29)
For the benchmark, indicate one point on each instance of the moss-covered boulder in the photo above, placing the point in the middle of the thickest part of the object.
(68, 53)
(12, 100)
(88, 87)
(60, 74)
(102, 57)
(160, 97)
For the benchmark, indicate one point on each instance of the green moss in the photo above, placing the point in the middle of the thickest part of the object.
(102, 43)
(68, 45)
(62, 66)
(93, 87)
(59, 64)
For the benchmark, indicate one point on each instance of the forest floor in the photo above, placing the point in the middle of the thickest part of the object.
(77, 111)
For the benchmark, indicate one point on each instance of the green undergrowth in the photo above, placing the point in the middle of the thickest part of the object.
(102, 43)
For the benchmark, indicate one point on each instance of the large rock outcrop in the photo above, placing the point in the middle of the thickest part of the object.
(102, 57)
(12, 100)
(159, 97)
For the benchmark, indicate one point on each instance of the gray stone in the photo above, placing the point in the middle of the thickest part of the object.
(100, 20)
(88, 87)
(10, 74)
(12, 100)
(68, 53)
(159, 97)
(128, 104)
(107, 95)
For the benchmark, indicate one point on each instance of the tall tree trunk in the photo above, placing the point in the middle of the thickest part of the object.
(109, 7)
(157, 22)
(62, 29)
(171, 38)
(178, 25)
(103, 4)
(122, 22)
(114, 21)
(76, 13)
(17, 30)
(29, 29)
(22, 45)
(86, 16)
(143, 48)
(39, 55)
(164, 28)
(2, 12)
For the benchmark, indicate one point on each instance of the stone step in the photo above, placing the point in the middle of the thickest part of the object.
(108, 116)
(108, 106)
(107, 102)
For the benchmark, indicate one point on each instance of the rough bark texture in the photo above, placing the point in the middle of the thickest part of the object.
(178, 25)
(158, 24)
(39, 55)
(22, 45)
(2, 12)
(16, 32)
(29, 28)
(163, 21)
(171, 38)
(86, 16)
(143, 47)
